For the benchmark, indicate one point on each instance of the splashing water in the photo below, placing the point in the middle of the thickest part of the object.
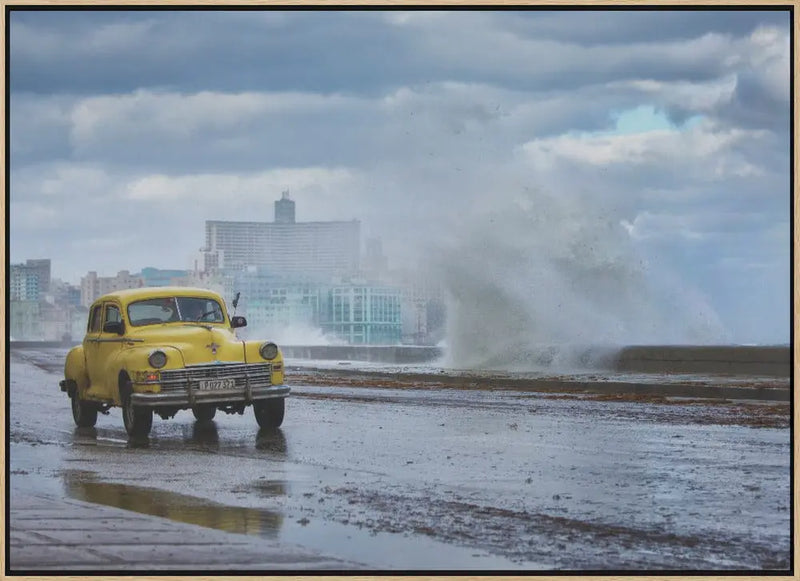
(294, 334)
(548, 282)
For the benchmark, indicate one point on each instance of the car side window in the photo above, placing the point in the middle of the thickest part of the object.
(95, 318)
(112, 314)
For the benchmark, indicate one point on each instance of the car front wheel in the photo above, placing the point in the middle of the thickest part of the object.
(269, 412)
(83, 412)
(204, 412)
(138, 420)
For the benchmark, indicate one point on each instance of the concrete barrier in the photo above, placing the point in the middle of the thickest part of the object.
(773, 361)
(727, 359)
(377, 353)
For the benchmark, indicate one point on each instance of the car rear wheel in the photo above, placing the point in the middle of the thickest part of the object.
(83, 412)
(269, 412)
(138, 420)
(204, 412)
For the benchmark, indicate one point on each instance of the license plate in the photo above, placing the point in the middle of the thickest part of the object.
(210, 384)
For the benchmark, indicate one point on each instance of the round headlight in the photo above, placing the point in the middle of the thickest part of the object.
(268, 350)
(157, 359)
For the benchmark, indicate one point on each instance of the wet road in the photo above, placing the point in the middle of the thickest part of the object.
(437, 478)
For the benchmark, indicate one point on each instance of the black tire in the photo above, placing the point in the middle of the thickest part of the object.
(138, 420)
(83, 412)
(269, 412)
(204, 412)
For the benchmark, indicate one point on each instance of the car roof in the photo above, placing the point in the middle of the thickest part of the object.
(135, 294)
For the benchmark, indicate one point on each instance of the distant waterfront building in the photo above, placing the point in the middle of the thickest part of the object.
(304, 275)
(29, 281)
(362, 314)
(213, 281)
(93, 286)
(63, 294)
(284, 247)
(350, 312)
(24, 322)
(272, 304)
(160, 277)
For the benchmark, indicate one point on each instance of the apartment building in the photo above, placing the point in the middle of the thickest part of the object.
(320, 250)
(93, 286)
(29, 281)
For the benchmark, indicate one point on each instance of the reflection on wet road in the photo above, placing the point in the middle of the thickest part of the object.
(175, 506)
(438, 478)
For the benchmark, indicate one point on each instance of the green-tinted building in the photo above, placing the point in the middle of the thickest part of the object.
(357, 314)
(362, 314)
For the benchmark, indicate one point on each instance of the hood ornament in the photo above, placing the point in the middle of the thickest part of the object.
(213, 346)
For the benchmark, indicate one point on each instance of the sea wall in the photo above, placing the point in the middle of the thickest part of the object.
(720, 359)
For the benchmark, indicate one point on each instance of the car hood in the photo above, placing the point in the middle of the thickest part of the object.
(198, 343)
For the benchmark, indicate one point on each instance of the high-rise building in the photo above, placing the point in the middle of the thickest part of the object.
(284, 209)
(29, 281)
(313, 250)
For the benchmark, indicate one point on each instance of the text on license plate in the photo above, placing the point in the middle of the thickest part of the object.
(216, 383)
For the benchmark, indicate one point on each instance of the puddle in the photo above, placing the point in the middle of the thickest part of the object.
(176, 506)
(374, 549)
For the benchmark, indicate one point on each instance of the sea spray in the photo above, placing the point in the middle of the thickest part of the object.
(293, 334)
(544, 281)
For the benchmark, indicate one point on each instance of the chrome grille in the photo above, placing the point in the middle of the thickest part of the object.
(258, 374)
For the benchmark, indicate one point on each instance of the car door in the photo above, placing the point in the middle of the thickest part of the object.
(109, 344)
(91, 348)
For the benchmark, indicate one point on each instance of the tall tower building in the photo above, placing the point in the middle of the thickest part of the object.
(318, 250)
(284, 209)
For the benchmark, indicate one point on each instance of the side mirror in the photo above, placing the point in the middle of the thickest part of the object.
(238, 321)
(117, 327)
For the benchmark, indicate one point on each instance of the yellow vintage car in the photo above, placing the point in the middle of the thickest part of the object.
(164, 349)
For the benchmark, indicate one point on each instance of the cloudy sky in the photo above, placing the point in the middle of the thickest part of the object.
(570, 169)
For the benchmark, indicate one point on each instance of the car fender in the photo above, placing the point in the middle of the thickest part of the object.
(75, 368)
(135, 359)
(252, 355)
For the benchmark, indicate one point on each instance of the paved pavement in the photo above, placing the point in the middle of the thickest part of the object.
(56, 534)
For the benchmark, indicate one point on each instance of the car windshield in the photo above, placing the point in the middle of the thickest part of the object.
(175, 309)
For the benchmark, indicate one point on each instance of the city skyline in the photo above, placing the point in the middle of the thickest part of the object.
(194, 264)
(569, 175)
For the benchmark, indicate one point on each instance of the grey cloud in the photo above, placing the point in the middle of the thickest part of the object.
(592, 27)
(202, 50)
(39, 127)
(356, 51)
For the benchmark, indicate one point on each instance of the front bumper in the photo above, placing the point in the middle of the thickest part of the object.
(192, 397)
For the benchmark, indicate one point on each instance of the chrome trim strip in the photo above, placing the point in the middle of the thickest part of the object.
(181, 399)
